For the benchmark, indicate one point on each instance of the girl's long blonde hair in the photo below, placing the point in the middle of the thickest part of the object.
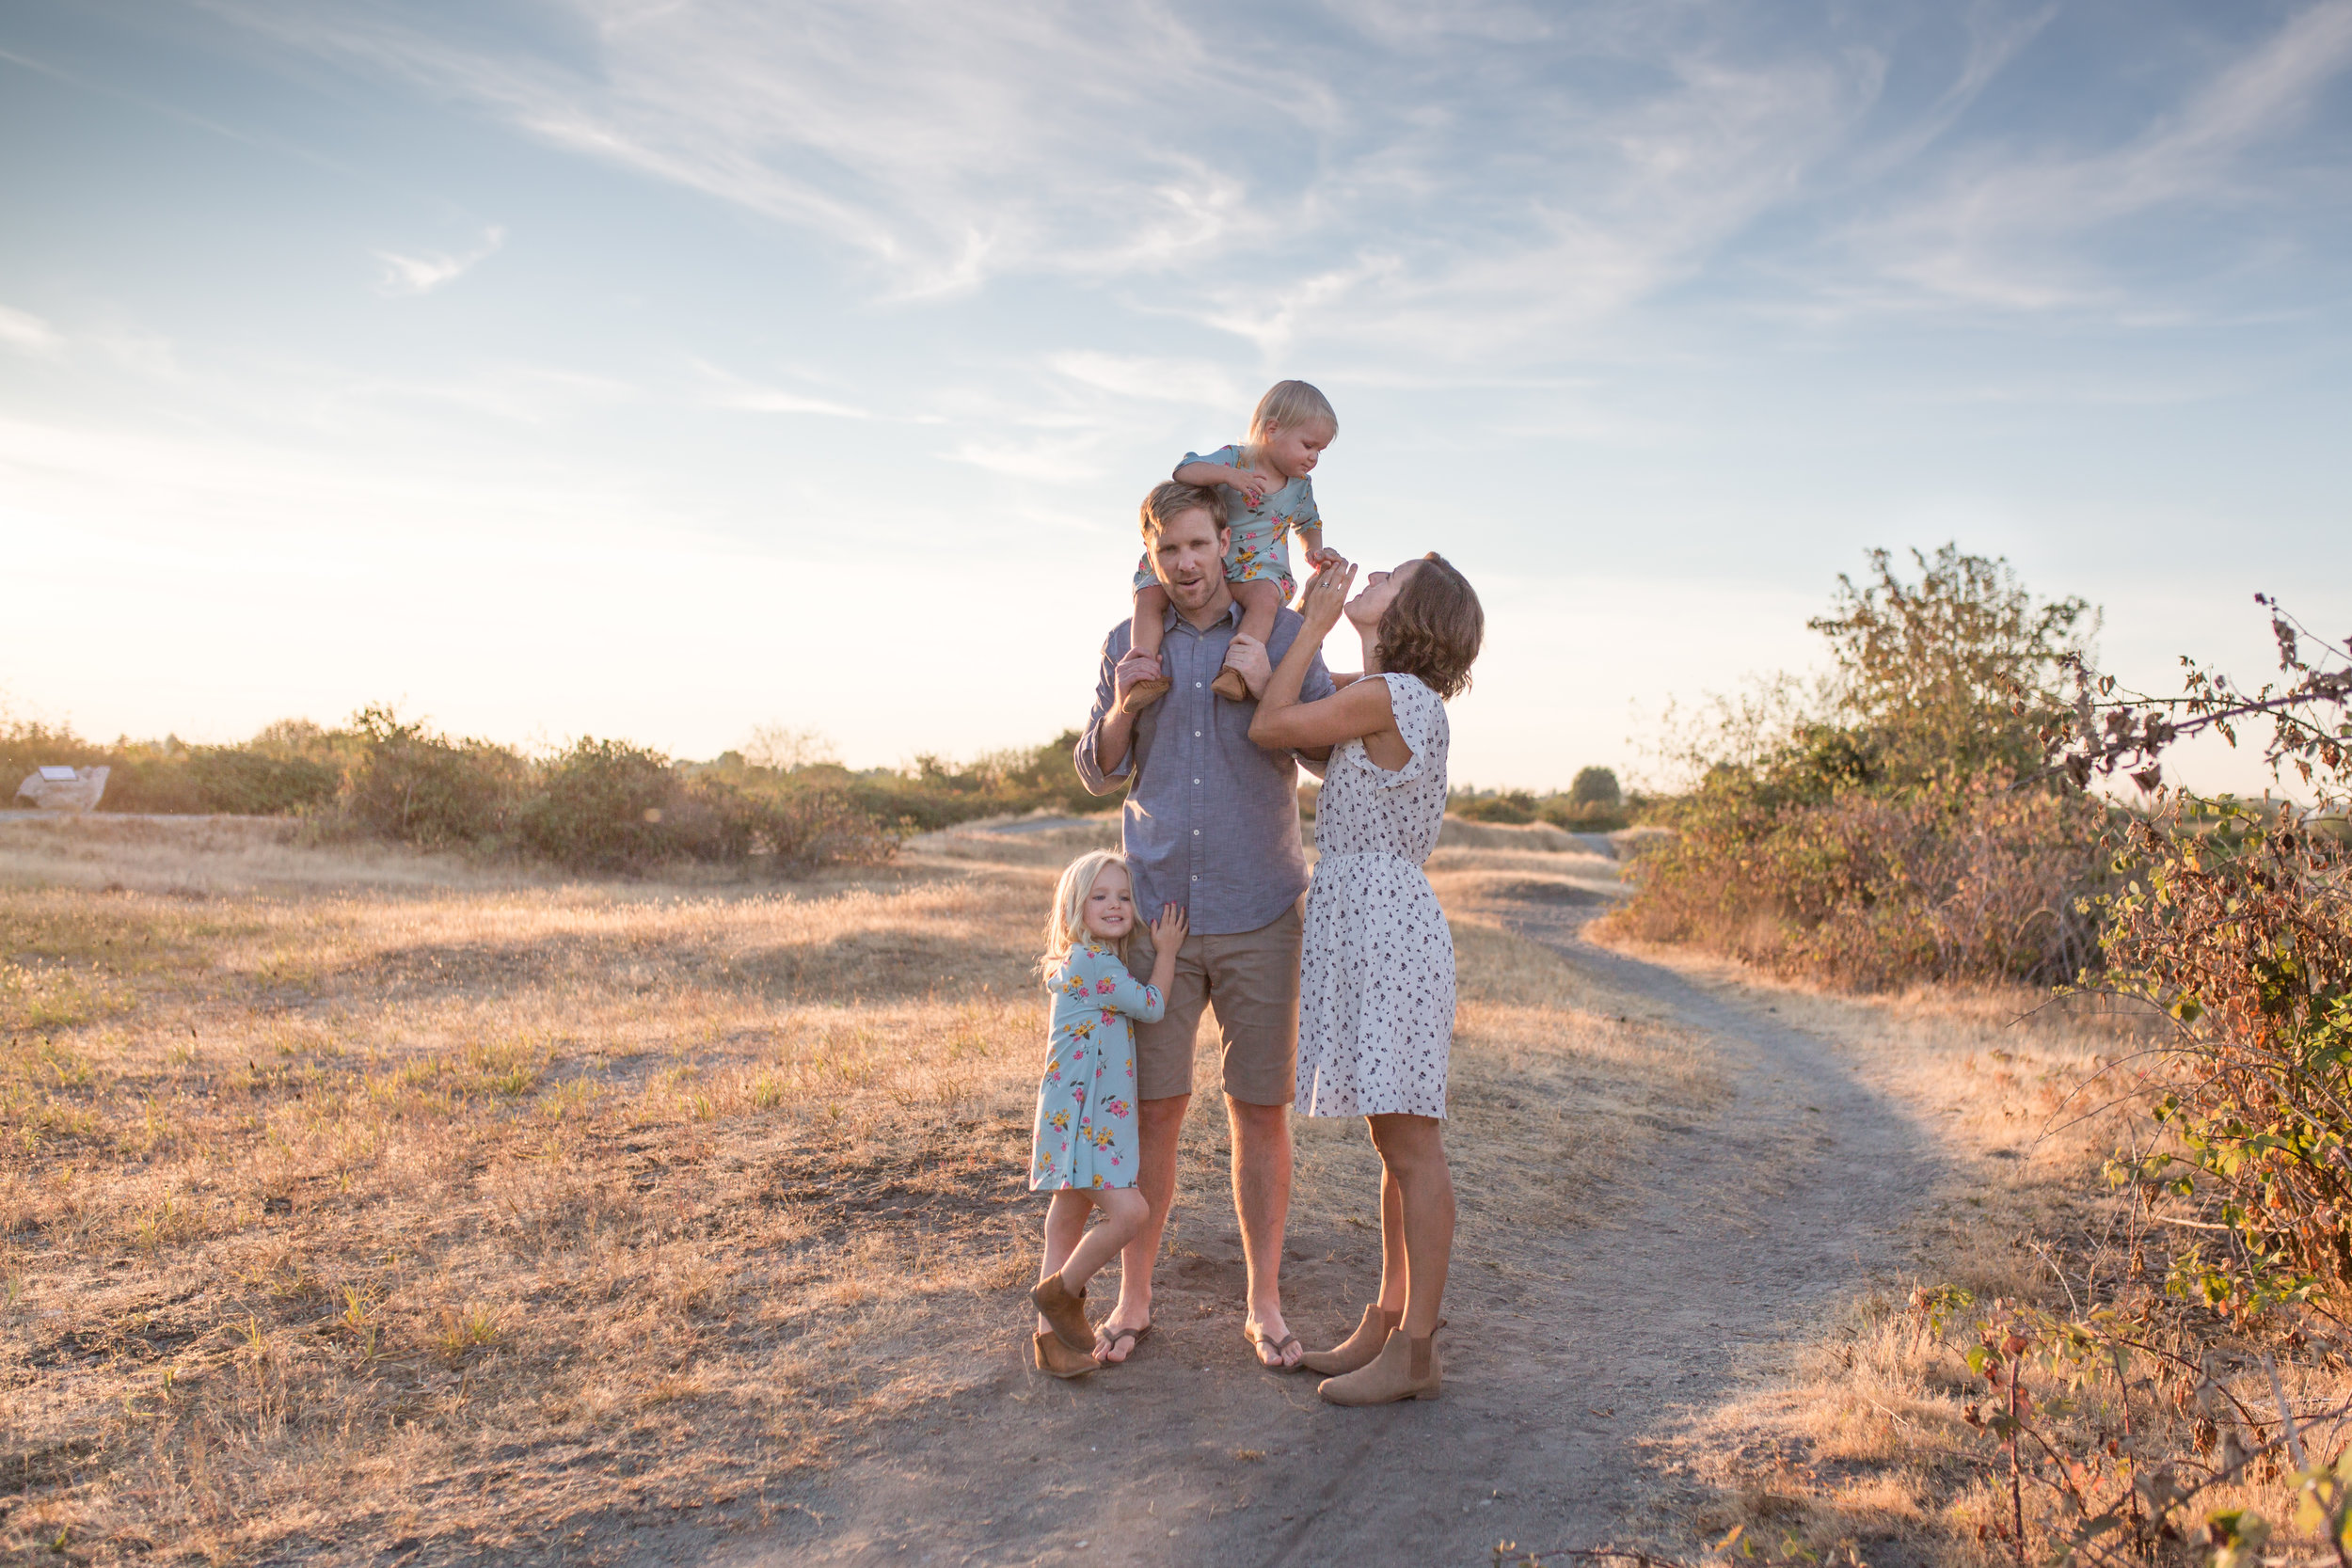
(1065, 925)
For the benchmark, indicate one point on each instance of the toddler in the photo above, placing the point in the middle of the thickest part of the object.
(1267, 498)
(1084, 1151)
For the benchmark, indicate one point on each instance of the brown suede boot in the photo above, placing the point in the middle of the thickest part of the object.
(1067, 1312)
(1055, 1359)
(1143, 694)
(1357, 1348)
(1229, 686)
(1405, 1369)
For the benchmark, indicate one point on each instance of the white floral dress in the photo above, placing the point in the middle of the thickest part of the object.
(1376, 990)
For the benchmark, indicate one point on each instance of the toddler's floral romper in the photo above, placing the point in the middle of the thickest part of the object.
(1086, 1107)
(1259, 546)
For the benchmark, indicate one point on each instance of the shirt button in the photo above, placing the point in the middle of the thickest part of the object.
(1196, 832)
(1196, 780)
(1196, 685)
(1196, 734)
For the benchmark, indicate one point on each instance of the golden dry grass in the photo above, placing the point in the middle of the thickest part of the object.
(367, 1202)
(1863, 1445)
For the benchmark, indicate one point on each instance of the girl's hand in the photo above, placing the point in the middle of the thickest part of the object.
(1249, 655)
(1167, 933)
(1324, 555)
(1325, 599)
(1257, 486)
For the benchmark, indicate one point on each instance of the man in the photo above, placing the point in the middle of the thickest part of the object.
(1212, 824)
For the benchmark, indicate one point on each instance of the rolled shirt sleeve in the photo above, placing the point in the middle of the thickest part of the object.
(1089, 757)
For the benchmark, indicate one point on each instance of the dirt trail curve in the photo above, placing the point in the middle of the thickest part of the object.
(1794, 1191)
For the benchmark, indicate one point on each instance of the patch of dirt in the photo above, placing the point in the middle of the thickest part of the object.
(1564, 1360)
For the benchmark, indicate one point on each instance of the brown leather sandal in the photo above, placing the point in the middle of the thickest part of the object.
(1261, 1343)
(1108, 1339)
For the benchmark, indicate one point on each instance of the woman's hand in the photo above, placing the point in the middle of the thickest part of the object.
(1248, 656)
(1326, 600)
(1167, 933)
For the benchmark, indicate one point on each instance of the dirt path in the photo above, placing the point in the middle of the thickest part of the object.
(1695, 1269)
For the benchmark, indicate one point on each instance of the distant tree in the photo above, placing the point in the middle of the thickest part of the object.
(1594, 787)
(784, 749)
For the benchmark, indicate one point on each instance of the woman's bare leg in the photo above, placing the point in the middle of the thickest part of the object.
(1393, 1272)
(1412, 1150)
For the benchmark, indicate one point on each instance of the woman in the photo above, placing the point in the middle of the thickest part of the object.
(1375, 1014)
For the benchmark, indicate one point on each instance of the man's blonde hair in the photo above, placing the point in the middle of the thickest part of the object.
(1170, 499)
(1288, 405)
(1065, 925)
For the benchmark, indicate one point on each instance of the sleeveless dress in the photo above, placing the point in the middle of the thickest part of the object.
(1376, 988)
(1086, 1106)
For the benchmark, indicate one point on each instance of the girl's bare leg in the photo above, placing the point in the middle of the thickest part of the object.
(1412, 1149)
(1259, 602)
(1145, 636)
(1065, 1227)
(1123, 1208)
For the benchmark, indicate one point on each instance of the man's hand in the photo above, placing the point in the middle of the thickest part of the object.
(1247, 656)
(1135, 666)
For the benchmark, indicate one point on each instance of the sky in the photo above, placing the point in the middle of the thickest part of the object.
(664, 369)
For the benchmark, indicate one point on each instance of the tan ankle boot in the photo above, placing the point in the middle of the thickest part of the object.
(1055, 1359)
(1405, 1369)
(1067, 1312)
(1358, 1348)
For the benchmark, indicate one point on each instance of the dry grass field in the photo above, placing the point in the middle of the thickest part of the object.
(1861, 1444)
(367, 1203)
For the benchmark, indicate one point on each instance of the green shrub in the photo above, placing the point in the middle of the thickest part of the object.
(1596, 787)
(1875, 832)
(598, 807)
(413, 786)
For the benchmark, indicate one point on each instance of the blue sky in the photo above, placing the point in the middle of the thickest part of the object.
(666, 368)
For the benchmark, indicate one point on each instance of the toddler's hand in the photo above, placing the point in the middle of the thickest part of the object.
(1324, 555)
(1256, 485)
(1167, 933)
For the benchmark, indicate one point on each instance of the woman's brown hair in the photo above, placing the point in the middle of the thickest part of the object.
(1433, 627)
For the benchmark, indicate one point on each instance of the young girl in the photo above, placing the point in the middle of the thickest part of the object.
(1267, 498)
(1084, 1151)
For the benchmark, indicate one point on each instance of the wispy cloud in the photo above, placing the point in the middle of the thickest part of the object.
(418, 274)
(2020, 229)
(729, 391)
(29, 334)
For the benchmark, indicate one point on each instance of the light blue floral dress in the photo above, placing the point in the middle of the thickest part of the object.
(1086, 1107)
(1257, 549)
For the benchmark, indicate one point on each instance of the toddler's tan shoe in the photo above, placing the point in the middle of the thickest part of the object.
(1143, 694)
(1229, 686)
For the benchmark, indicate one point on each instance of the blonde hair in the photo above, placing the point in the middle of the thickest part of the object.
(1065, 925)
(1287, 405)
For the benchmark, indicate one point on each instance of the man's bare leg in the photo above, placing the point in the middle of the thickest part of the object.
(1262, 1200)
(1157, 1122)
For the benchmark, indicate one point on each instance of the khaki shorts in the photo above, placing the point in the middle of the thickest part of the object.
(1251, 979)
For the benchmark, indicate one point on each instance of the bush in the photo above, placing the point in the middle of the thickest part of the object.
(598, 807)
(411, 786)
(1594, 787)
(1876, 831)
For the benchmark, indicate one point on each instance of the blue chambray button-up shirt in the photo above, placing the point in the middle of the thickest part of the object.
(1212, 819)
